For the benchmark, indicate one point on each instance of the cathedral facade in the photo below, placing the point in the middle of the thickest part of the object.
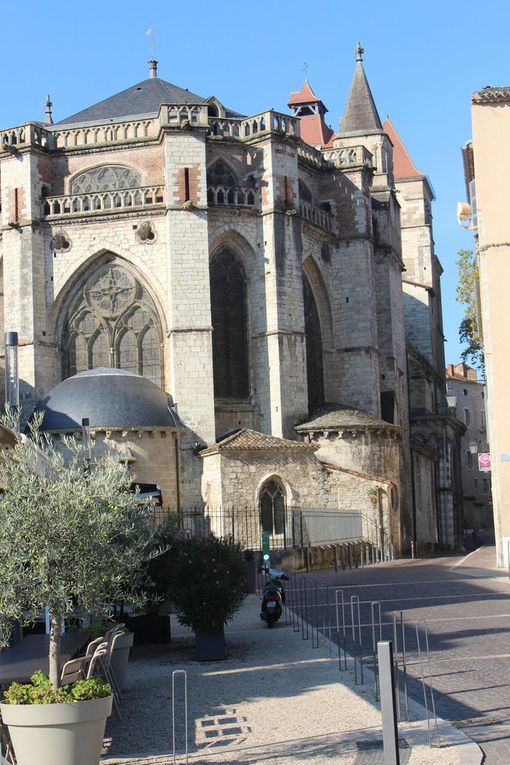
(276, 279)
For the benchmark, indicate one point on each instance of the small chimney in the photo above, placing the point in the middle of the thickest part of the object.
(153, 68)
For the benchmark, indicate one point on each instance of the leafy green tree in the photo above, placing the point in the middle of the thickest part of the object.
(466, 294)
(72, 534)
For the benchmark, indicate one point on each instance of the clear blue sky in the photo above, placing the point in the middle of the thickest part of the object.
(423, 60)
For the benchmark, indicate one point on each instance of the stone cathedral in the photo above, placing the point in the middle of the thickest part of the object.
(246, 308)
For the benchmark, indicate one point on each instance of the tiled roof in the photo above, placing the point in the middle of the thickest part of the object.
(489, 94)
(305, 96)
(252, 440)
(403, 165)
(361, 112)
(337, 417)
(314, 130)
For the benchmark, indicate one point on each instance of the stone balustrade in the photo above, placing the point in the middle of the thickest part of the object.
(349, 156)
(180, 114)
(29, 134)
(232, 196)
(102, 202)
(317, 216)
(244, 129)
(312, 156)
(99, 135)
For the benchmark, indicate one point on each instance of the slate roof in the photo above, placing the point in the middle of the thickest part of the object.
(110, 398)
(338, 417)
(144, 98)
(252, 440)
(361, 112)
(403, 165)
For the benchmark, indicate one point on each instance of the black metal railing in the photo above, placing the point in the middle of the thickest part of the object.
(289, 528)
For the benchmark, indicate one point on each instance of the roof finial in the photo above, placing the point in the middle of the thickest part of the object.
(305, 69)
(153, 68)
(48, 117)
(359, 51)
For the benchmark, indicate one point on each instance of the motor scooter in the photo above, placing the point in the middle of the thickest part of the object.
(273, 596)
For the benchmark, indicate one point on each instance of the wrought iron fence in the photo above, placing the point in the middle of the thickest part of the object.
(292, 528)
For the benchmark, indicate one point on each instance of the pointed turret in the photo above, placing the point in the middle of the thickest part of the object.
(360, 113)
(311, 110)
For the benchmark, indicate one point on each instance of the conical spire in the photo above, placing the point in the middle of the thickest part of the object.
(48, 118)
(360, 113)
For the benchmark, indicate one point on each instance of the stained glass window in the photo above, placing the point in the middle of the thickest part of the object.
(113, 322)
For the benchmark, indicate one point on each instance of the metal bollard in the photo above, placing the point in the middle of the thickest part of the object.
(184, 673)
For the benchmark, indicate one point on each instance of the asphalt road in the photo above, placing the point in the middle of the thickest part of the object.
(461, 603)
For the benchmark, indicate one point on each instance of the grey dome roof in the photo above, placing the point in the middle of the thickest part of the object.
(110, 398)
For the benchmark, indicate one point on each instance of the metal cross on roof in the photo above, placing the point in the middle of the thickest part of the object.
(359, 51)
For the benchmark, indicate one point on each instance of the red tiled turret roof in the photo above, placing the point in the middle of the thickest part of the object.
(403, 165)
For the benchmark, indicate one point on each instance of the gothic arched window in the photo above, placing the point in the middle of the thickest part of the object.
(113, 322)
(105, 178)
(313, 335)
(272, 508)
(220, 174)
(228, 311)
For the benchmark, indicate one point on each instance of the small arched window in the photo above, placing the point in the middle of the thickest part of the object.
(113, 322)
(272, 508)
(228, 311)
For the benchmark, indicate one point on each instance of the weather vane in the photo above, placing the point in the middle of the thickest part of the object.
(151, 42)
(305, 70)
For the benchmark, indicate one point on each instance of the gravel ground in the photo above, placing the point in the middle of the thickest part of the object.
(274, 699)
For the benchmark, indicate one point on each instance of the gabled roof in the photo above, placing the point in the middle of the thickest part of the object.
(143, 98)
(403, 165)
(305, 96)
(252, 440)
(360, 113)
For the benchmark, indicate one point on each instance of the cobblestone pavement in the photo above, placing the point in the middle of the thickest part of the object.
(465, 602)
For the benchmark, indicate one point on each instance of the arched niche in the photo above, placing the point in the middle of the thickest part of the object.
(104, 178)
(314, 347)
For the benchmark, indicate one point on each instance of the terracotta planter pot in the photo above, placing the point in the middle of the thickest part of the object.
(57, 734)
(120, 658)
(210, 645)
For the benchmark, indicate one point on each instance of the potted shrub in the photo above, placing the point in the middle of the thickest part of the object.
(57, 726)
(207, 588)
(72, 535)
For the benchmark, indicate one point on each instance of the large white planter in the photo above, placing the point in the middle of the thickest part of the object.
(57, 734)
(120, 657)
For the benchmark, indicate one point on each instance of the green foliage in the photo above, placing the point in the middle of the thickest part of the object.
(156, 573)
(71, 534)
(206, 578)
(41, 691)
(466, 293)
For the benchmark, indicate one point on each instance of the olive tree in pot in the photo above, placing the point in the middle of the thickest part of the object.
(72, 535)
(207, 588)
